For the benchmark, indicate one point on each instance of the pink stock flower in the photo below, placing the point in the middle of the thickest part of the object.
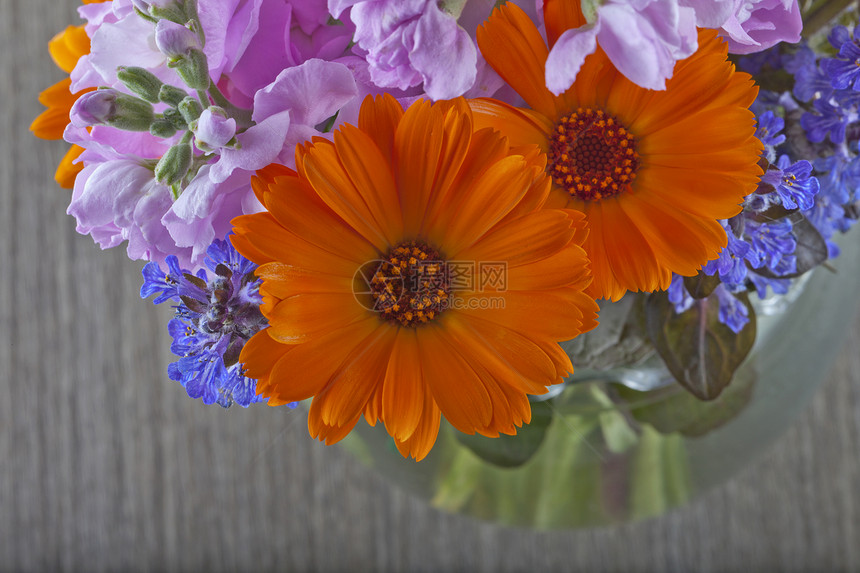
(750, 25)
(410, 42)
(642, 38)
(269, 56)
(757, 25)
(116, 197)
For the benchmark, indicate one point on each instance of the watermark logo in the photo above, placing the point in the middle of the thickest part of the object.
(380, 285)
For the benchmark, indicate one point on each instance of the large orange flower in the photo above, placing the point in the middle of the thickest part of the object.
(653, 171)
(367, 254)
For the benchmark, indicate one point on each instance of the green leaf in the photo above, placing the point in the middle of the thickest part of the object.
(700, 352)
(512, 451)
(701, 285)
(619, 340)
(671, 410)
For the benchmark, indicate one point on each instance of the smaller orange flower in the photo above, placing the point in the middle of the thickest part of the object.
(375, 258)
(653, 171)
(66, 49)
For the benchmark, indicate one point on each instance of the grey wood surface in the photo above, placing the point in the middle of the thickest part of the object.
(105, 465)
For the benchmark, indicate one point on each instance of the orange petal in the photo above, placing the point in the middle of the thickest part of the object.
(380, 119)
(330, 180)
(529, 238)
(512, 45)
(67, 170)
(284, 281)
(363, 371)
(561, 15)
(371, 174)
(418, 149)
(68, 46)
(324, 432)
(421, 440)
(403, 392)
(628, 253)
(486, 149)
(52, 122)
(307, 368)
(261, 353)
(569, 267)
(459, 393)
(522, 127)
(555, 314)
(483, 205)
(297, 207)
(456, 140)
(260, 238)
(307, 316)
(373, 408)
(508, 356)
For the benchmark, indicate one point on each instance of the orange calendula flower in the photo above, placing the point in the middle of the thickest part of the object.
(653, 171)
(65, 48)
(410, 270)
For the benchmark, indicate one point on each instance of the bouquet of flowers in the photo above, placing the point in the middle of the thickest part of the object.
(409, 210)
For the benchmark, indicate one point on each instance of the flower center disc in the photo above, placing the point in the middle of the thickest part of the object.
(411, 285)
(592, 155)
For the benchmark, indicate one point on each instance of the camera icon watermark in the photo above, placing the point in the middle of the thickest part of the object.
(430, 286)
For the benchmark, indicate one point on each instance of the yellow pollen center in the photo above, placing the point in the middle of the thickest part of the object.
(592, 156)
(410, 286)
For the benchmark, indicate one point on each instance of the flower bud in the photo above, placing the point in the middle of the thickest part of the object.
(113, 108)
(171, 95)
(214, 129)
(174, 164)
(162, 128)
(161, 9)
(175, 40)
(190, 109)
(193, 69)
(141, 82)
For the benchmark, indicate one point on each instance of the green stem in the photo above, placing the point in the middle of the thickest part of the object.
(203, 97)
(820, 13)
(240, 114)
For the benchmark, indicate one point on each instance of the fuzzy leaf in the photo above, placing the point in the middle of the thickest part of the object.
(701, 285)
(700, 352)
(512, 451)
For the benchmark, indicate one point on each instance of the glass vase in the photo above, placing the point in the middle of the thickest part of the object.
(627, 443)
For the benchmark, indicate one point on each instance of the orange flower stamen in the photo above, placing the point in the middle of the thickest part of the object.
(410, 286)
(592, 155)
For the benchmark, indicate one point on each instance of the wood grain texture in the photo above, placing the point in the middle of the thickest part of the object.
(105, 465)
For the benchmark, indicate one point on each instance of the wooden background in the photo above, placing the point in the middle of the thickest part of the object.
(105, 465)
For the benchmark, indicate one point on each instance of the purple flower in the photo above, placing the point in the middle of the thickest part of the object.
(116, 200)
(769, 128)
(214, 129)
(678, 294)
(793, 182)
(175, 40)
(409, 42)
(643, 39)
(285, 90)
(214, 319)
(778, 286)
(829, 121)
(844, 71)
(732, 312)
(731, 264)
(760, 24)
(774, 244)
(94, 108)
